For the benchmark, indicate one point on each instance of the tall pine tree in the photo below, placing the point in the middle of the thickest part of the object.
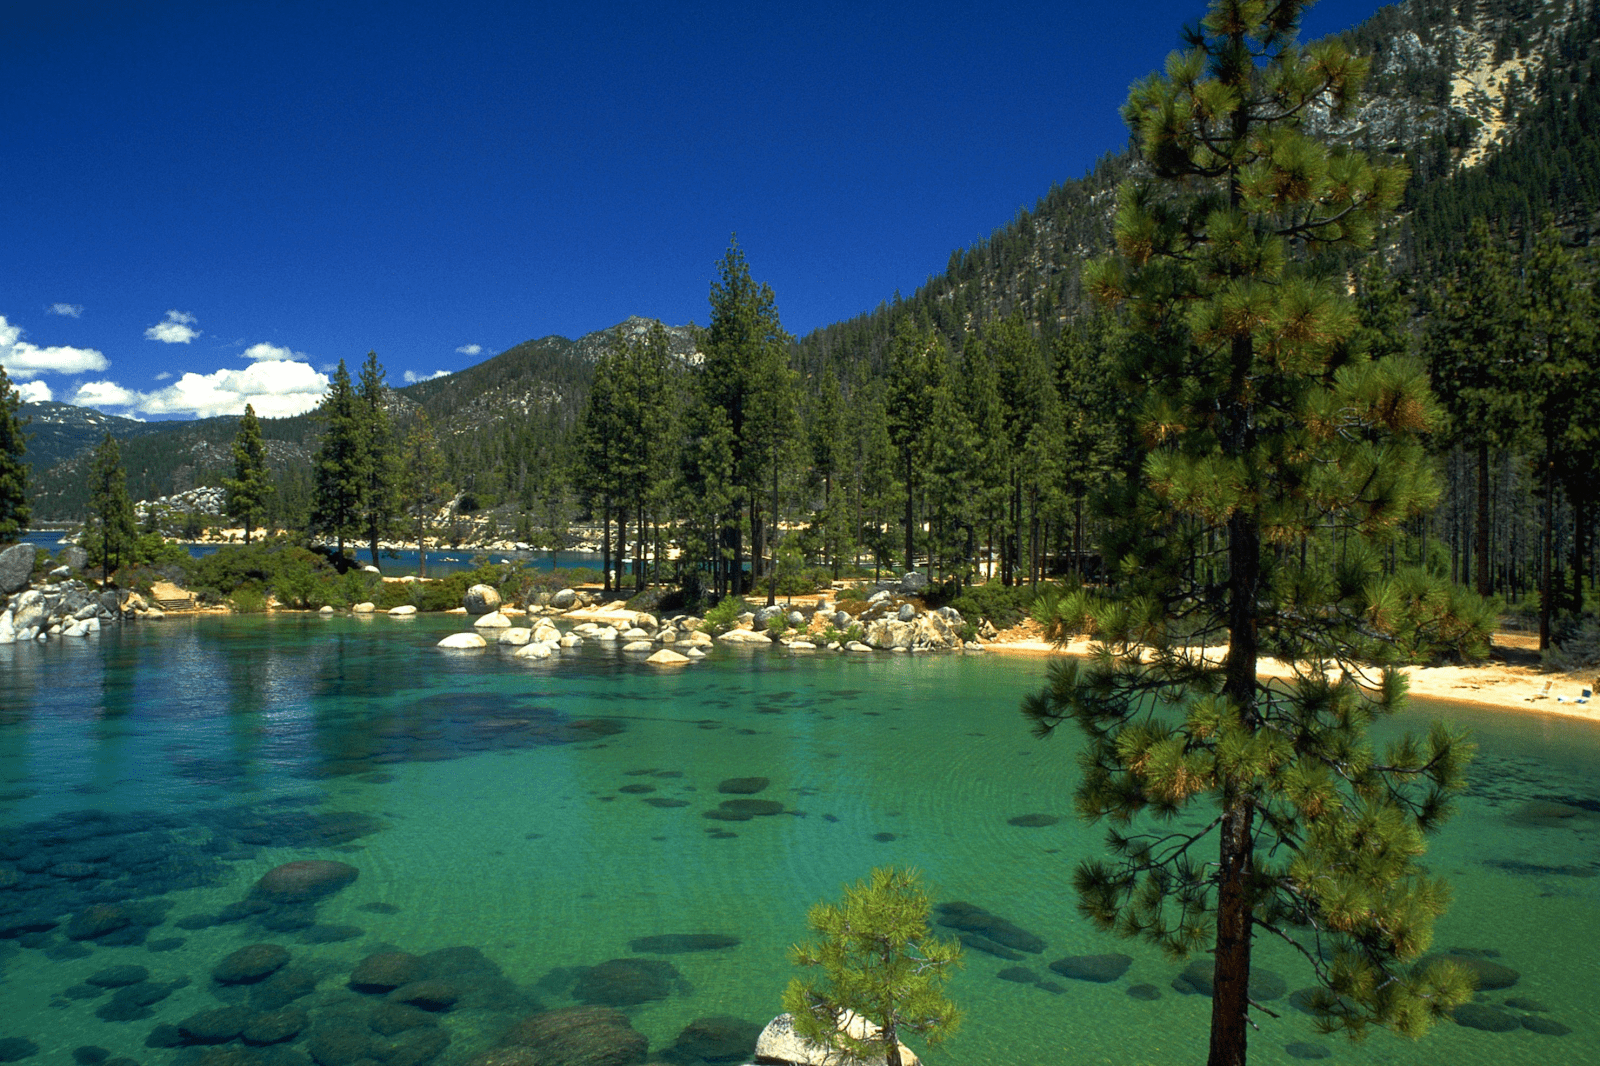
(250, 489)
(111, 540)
(1277, 457)
(379, 500)
(14, 508)
(341, 477)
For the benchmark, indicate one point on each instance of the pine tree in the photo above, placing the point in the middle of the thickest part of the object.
(746, 373)
(422, 479)
(15, 511)
(1558, 381)
(1474, 350)
(341, 476)
(918, 371)
(110, 509)
(1277, 458)
(879, 962)
(250, 488)
(378, 496)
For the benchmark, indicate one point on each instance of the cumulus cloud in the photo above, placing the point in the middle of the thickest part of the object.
(35, 392)
(412, 377)
(24, 361)
(469, 349)
(69, 310)
(277, 388)
(265, 352)
(176, 328)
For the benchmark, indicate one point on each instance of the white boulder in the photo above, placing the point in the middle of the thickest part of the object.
(779, 1043)
(516, 636)
(463, 641)
(533, 651)
(405, 610)
(667, 657)
(492, 620)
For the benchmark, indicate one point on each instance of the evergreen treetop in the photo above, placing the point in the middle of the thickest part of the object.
(250, 488)
(879, 962)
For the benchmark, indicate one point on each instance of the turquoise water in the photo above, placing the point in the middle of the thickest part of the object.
(482, 800)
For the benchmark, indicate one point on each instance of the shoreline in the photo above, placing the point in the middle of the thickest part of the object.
(1493, 685)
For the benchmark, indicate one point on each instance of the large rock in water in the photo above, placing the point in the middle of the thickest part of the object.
(16, 564)
(576, 1036)
(1101, 969)
(305, 880)
(250, 964)
(779, 1043)
(625, 982)
(481, 599)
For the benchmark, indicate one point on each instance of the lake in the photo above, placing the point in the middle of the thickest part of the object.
(399, 561)
(545, 818)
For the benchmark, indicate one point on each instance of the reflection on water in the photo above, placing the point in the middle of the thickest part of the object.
(590, 832)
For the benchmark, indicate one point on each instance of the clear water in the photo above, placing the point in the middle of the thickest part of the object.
(500, 824)
(400, 560)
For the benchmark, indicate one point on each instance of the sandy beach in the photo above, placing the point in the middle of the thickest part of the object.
(1511, 681)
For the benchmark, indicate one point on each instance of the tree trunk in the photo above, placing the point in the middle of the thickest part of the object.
(605, 544)
(772, 583)
(1480, 531)
(1580, 543)
(422, 552)
(911, 562)
(1547, 550)
(372, 532)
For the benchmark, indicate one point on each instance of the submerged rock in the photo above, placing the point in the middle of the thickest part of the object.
(575, 1036)
(385, 972)
(719, 1038)
(679, 943)
(969, 918)
(743, 786)
(1489, 1019)
(624, 982)
(1101, 969)
(250, 964)
(303, 881)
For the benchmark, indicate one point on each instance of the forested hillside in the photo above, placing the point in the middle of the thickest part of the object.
(968, 425)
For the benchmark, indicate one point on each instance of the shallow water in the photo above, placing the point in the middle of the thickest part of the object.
(483, 802)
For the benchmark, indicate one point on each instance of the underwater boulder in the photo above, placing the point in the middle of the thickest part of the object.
(304, 880)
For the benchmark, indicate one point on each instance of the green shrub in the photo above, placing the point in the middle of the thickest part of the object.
(1003, 606)
(725, 615)
(247, 600)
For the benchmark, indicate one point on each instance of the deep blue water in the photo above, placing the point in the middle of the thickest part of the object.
(553, 816)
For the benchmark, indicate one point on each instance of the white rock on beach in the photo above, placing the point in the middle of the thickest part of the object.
(364, 608)
(405, 610)
(637, 645)
(667, 657)
(744, 636)
(516, 636)
(533, 651)
(463, 641)
(492, 620)
(779, 1043)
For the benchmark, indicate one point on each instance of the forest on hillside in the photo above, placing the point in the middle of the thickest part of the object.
(971, 428)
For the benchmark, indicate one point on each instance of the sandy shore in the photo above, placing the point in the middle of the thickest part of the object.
(1499, 685)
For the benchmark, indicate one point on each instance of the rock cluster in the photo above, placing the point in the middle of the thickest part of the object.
(66, 609)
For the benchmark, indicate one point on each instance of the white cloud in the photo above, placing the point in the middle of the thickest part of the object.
(24, 361)
(103, 394)
(35, 392)
(178, 328)
(265, 352)
(276, 387)
(69, 310)
(469, 349)
(412, 377)
(163, 376)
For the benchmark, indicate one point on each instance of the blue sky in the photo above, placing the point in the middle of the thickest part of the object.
(211, 202)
